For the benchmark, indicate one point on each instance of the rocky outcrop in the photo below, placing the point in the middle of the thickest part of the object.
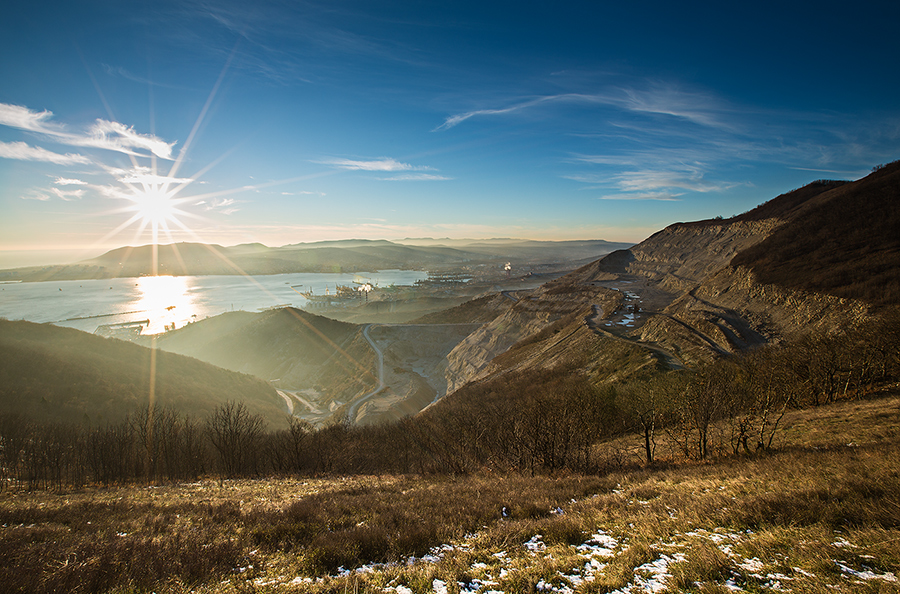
(731, 312)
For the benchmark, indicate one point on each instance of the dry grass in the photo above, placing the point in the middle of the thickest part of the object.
(816, 516)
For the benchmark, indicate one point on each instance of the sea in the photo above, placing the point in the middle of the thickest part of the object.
(166, 302)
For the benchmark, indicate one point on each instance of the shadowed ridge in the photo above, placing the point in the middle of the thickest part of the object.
(844, 242)
(786, 205)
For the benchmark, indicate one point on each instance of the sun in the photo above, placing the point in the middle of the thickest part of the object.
(154, 205)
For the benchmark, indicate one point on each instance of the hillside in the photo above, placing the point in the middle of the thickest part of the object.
(818, 515)
(60, 374)
(324, 367)
(819, 257)
(845, 243)
(286, 343)
(318, 363)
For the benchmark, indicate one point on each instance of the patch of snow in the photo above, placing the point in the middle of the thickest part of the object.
(300, 580)
(866, 574)
(601, 544)
(651, 577)
(754, 565)
(536, 545)
(779, 577)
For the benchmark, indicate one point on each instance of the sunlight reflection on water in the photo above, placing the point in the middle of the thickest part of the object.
(166, 300)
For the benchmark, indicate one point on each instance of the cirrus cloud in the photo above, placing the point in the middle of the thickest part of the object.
(416, 177)
(383, 164)
(103, 134)
(25, 152)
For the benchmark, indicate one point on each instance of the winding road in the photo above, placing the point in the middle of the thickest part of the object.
(354, 407)
(379, 368)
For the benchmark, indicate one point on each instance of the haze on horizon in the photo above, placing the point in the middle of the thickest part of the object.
(124, 123)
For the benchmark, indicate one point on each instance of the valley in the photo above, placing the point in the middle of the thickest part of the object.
(666, 417)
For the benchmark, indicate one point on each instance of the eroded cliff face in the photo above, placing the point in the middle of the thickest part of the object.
(682, 255)
(779, 311)
(529, 315)
(731, 312)
(475, 352)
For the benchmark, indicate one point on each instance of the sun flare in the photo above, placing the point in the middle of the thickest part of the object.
(153, 203)
(154, 206)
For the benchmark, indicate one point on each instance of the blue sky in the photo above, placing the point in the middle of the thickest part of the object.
(287, 122)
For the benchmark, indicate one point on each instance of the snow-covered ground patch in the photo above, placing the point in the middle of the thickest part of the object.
(866, 573)
(601, 544)
(651, 577)
(491, 572)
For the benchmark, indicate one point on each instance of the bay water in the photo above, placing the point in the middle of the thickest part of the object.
(164, 301)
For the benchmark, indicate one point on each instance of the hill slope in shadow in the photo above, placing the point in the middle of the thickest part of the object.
(54, 374)
(845, 242)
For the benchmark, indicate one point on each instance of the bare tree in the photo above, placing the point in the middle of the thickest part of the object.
(235, 434)
(14, 433)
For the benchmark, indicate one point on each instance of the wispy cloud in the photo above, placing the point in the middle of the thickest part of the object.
(416, 177)
(16, 116)
(690, 179)
(64, 181)
(122, 72)
(661, 196)
(25, 152)
(37, 196)
(383, 164)
(665, 99)
(457, 119)
(142, 175)
(119, 137)
(222, 205)
(662, 177)
(102, 134)
(654, 99)
(67, 195)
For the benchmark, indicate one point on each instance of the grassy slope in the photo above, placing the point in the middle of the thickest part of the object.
(806, 517)
(60, 374)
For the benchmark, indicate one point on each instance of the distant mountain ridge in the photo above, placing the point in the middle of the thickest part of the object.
(352, 255)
